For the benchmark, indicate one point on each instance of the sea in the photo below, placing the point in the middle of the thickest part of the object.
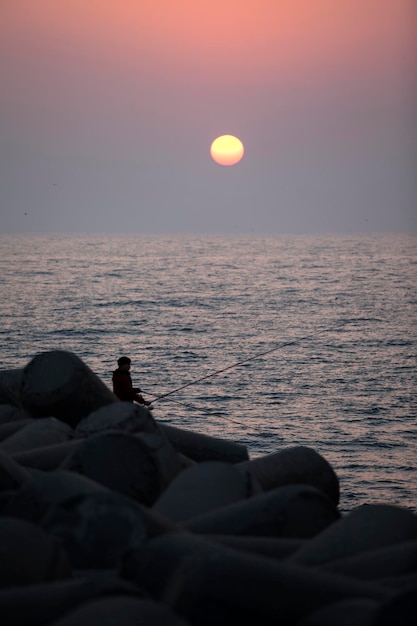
(270, 341)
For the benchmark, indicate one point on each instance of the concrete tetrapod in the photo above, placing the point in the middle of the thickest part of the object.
(46, 457)
(232, 587)
(7, 429)
(295, 465)
(127, 417)
(12, 475)
(272, 547)
(205, 487)
(153, 564)
(98, 528)
(400, 609)
(369, 527)
(357, 611)
(37, 605)
(209, 584)
(45, 431)
(381, 564)
(10, 382)
(59, 384)
(121, 611)
(139, 466)
(29, 555)
(400, 582)
(296, 511)
(200, 447)
(10, 414)
(48, 489)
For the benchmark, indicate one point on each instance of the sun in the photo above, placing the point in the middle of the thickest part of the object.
(227, 150)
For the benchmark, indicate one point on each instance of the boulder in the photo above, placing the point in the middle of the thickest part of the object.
(12, 475)
(295, 465)
(59, 384)
(368, 527)
(208, 583)
(139, 466)
(199, 447)
(127, 417)
(9, 428)
(98, 528)
(46, 457)
(121, 611)
(40, 604)
(45, 490)
(296, 511)
(45, 431)
(205, 487)
(29, 555)
(10, 381)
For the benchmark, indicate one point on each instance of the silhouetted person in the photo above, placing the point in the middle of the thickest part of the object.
(122, 383)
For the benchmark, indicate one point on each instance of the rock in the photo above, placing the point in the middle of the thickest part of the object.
(127, 417)
(400, 609)
(153, 564)
(366, 528)
(98, 528)
(47, 489)
(46, 457)
(10, 381)
(227, 540)
(205, 487)
(400, 582)
(139, 466)
(200, 447)
(59, 384)
(296, 511)
(29, 555)
(208, 583)
(45, 431)
(270, 547)
(393, 560)
(8, 397)
(9, 428)
(10, 414)
(39, 604)
(121, 611)
(12, 475)
(296, 465)
(232, 587)
(357, 611)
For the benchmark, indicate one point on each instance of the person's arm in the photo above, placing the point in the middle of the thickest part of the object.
(124, 390)
(140, 400)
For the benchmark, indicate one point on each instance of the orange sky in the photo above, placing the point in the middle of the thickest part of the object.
(241, 40)
(307, 84)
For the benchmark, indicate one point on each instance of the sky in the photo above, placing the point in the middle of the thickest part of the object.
(108, 109)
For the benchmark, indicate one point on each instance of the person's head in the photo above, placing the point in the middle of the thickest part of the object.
(123, 363)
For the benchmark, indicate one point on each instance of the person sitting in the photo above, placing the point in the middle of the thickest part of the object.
(122, 383)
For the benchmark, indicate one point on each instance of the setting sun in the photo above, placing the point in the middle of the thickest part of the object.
(227, 150)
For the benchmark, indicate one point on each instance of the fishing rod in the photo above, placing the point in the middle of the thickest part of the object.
(255, 356)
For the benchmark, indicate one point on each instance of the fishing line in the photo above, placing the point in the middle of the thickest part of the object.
(205, 411)
(256, 356)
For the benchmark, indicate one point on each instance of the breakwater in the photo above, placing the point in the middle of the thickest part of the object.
(106, 514)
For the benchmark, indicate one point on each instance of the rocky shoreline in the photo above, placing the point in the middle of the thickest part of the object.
(109, 517)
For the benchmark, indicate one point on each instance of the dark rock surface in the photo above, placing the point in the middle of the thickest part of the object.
(107, 516)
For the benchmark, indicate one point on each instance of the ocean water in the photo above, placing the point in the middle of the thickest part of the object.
(316, 337)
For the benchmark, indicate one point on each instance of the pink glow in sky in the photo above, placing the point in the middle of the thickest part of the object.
(109, 107)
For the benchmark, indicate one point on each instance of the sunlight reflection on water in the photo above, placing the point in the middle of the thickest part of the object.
(184, 307)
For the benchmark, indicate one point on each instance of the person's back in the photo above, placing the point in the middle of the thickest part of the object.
(122, 383)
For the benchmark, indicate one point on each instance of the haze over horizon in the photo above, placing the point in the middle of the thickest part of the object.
(109, 107)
